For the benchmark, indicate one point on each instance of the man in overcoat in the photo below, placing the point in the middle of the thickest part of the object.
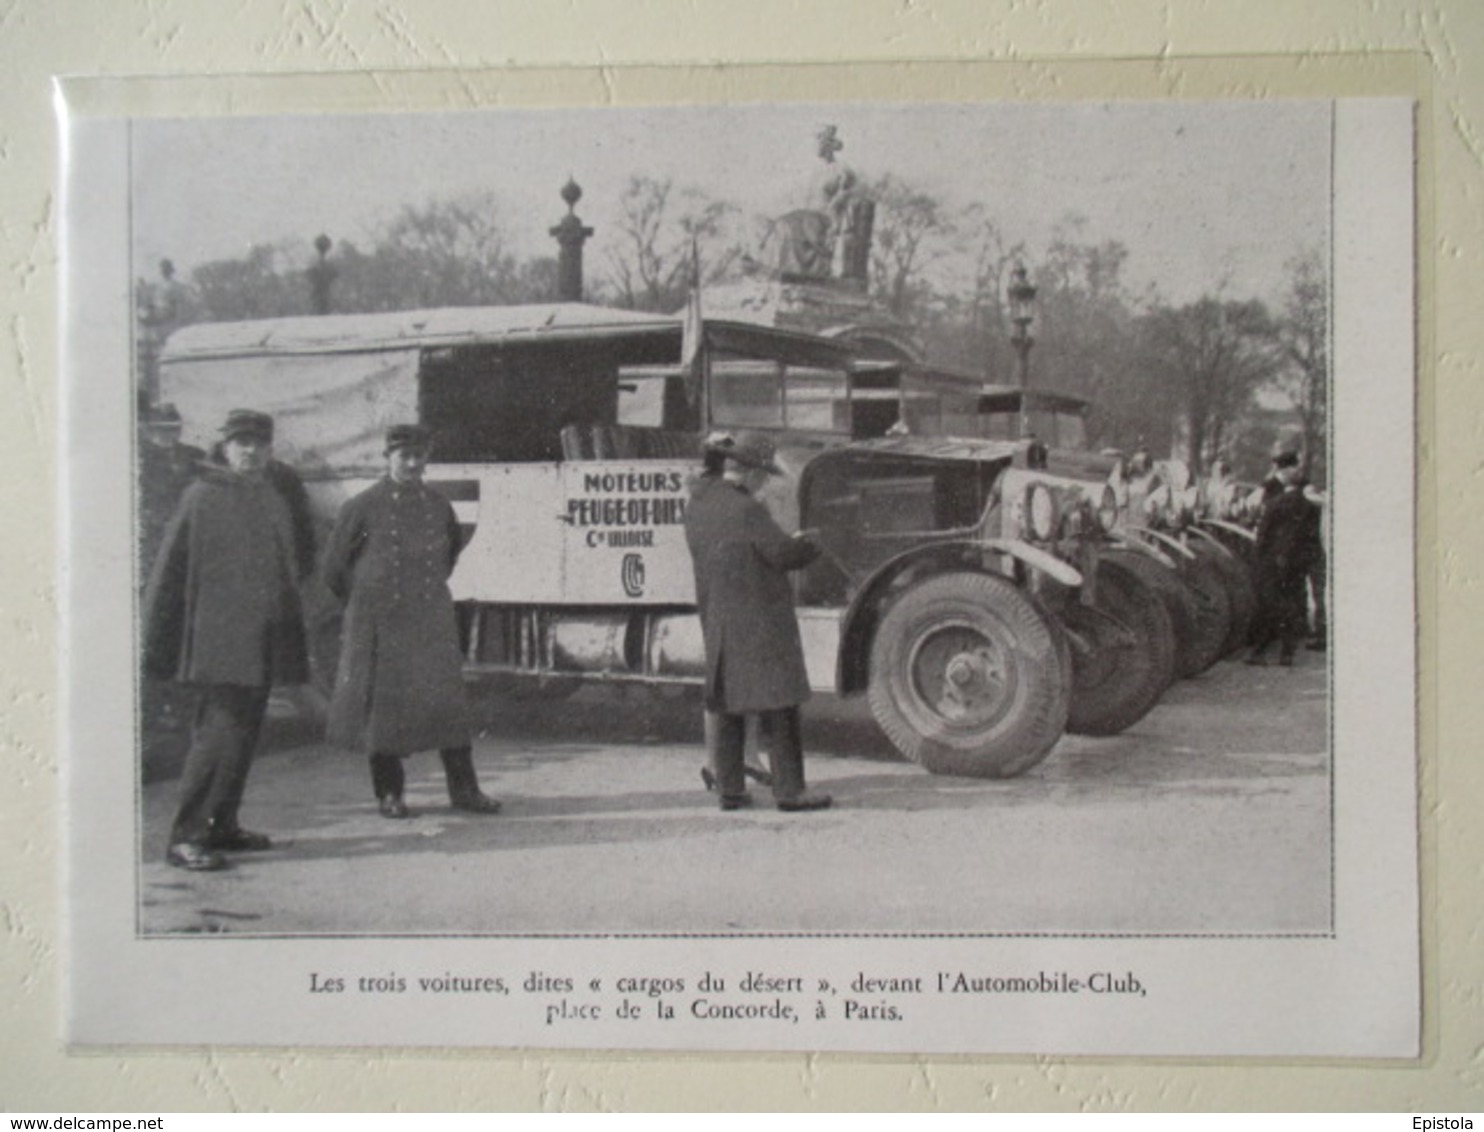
(400, 685)
(1288, 540)
(754, 659)
(295, 497)
(166, 468)
(222, 614)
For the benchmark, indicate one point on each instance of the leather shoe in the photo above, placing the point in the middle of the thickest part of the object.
(757, 774)
(476, 803)
(194, 858)
(808, 800)
(239, 840)
(736, 801)
(392, 806)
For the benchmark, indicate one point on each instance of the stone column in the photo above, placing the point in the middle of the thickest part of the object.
(570, 236)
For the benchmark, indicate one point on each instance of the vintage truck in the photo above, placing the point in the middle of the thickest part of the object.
(1191, 558)
(965, 585)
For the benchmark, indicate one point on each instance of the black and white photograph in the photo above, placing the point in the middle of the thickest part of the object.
(902, 576)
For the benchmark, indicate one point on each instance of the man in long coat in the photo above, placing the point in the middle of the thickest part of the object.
(400, 685)
(222, 614)
(754, 659)
(1288, 540)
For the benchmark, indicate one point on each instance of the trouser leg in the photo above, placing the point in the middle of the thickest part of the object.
(1263, 635)
(784, 732)
(463, 781)
(1265, 623)
(1292, 619)
(250, 710)
(726, 740)
(388, 778)
(1257, 631)
(781, 731)
(224, 737)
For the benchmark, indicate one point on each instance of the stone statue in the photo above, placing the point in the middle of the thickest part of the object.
(805, 250)
(831, 237)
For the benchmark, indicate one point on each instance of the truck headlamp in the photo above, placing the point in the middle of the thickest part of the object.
(1040, 512)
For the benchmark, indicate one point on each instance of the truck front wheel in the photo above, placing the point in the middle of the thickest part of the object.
(969, 676)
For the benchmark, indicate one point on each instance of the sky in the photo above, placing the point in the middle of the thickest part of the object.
(1200, 193)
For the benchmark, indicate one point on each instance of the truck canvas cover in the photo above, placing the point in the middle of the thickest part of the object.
(334, 383)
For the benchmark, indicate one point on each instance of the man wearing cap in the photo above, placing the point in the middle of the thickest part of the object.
(295, 497)
(754, 659)
(166, 468)
(400, 685)
(222, 614)
(1287, 541)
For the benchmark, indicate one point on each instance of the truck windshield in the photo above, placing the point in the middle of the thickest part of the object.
(747, 393)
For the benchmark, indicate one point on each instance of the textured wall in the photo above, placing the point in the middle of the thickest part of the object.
(41, 38)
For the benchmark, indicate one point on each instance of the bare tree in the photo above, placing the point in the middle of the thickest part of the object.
(1303, 335)
(1210, 357)
(958, 308)
(912, 230)
(448, 252)
(649, 268)
(1085, 328)
(265, 283)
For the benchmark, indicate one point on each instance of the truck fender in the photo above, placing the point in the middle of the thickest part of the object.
(1038, 559)
(858, 627)
(1139, 546)
(1158, 539)
(1210, 540)
(1230, 528)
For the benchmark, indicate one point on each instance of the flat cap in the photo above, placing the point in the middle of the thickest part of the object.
(248, 422)
(407, 436)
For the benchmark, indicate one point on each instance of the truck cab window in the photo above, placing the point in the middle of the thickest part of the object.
(746, 393)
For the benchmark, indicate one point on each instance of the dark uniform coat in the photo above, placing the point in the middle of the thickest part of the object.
(222, 603)
(291, 489)
(400, 685)
(1288, 537)
(295, 496)
(754, 659)
(164, 475)
(1288, 544)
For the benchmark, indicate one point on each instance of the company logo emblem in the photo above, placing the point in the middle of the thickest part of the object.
(633, 575)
